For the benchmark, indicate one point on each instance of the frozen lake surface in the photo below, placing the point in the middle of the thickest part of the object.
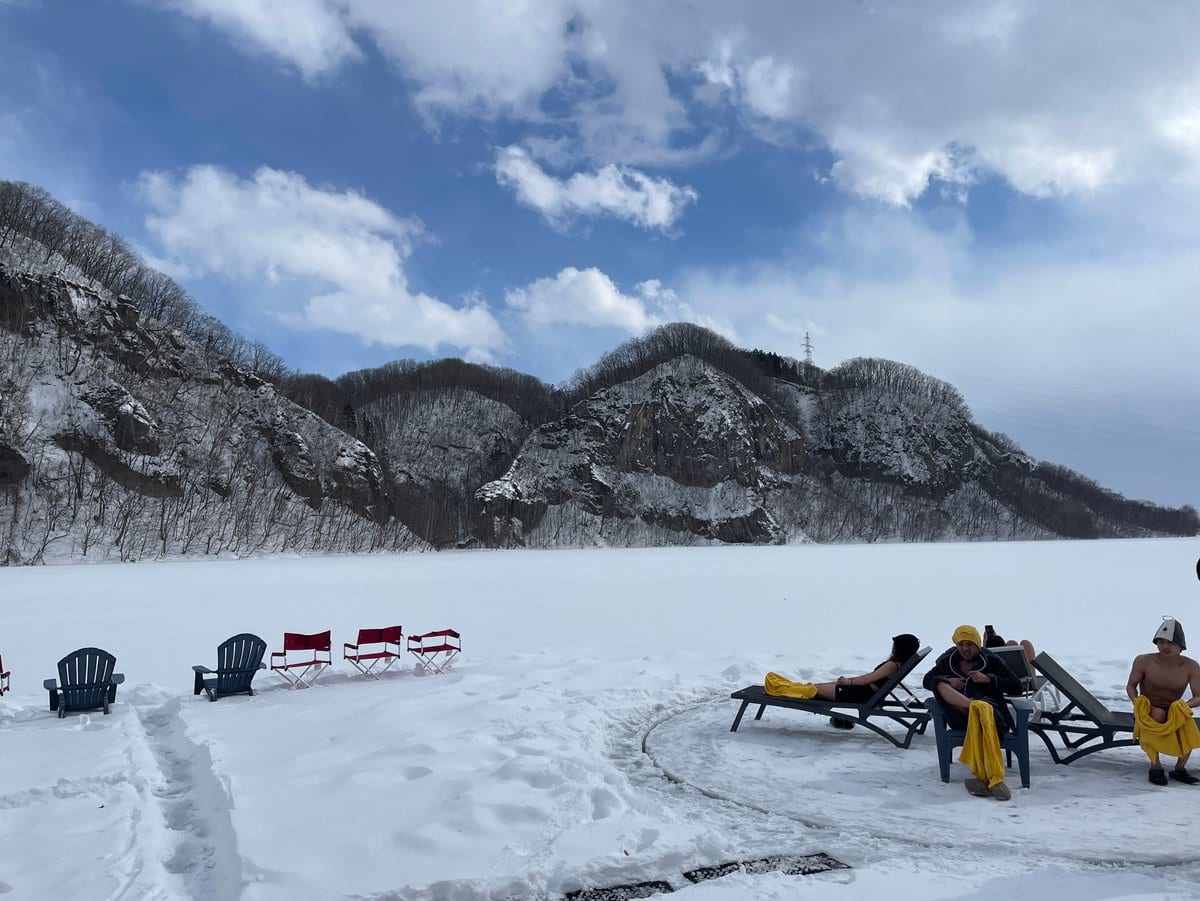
(583, 738)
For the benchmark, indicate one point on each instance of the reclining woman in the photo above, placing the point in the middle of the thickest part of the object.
(850, 689)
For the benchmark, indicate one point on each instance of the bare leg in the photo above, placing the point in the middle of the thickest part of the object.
(1027, 645)
(1182, 761)
(827, 691)
(953, 697)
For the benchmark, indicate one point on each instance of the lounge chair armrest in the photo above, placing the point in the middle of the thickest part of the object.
(50, 684)
(117, 679)
(1022, 708)
(350, 647)
(201, 669)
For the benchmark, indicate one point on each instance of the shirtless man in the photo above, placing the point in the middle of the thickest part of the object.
(1162, 678)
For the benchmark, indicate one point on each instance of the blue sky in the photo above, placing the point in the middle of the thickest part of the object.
(1003, 194)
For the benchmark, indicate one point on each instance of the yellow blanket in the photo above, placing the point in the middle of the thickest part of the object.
(981, 748)
(1176, 737)
(777, 685)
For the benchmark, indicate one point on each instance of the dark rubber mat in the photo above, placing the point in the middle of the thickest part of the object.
(788, 864)
(620, 892)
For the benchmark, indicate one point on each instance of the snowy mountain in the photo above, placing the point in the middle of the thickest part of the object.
(121, 438)
(124, 437)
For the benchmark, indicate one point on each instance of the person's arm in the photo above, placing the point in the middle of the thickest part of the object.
(1136, 673)
(1194, 684)
(882, 672)
(939, 673)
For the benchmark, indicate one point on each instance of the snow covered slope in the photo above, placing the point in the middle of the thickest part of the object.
(583, 740)
(122, 439)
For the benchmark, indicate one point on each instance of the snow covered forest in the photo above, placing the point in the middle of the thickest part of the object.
(134, 426)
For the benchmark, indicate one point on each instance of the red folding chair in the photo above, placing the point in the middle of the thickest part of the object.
(373, 651)
(4, 684)
(436, 650)
(303, 658)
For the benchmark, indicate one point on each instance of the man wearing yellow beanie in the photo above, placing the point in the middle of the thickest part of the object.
(970, 683)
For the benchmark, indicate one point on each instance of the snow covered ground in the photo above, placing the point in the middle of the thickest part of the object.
(539, 766)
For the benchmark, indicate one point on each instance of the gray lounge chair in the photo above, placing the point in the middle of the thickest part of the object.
(884, 704)
(1084, 725)
(238, 659)
(86, 681)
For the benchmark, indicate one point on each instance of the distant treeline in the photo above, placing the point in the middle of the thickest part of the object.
(68, 239)
(536, 401)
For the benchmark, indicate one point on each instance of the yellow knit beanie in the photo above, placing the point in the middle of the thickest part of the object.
(967, 633)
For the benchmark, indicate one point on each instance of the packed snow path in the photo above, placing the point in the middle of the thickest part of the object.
(522, 774)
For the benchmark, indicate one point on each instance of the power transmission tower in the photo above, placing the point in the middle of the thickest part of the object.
(808, 349)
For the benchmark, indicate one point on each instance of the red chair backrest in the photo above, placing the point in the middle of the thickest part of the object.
(416, 642)
(389, 635)
(297, 641)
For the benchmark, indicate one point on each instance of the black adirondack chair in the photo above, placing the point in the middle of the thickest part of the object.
(86, 681)
(238, 659)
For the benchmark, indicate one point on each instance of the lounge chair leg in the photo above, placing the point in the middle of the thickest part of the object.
(737, 720)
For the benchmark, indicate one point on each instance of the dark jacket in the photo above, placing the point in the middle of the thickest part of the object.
(1001, 681)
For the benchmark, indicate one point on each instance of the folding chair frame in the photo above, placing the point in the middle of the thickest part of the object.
(374, 663)
(446, 642)
(303, 673)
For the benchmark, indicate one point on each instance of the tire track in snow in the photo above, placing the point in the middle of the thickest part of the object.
(195, 806)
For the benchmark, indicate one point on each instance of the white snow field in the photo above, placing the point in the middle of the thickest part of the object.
(583, 739)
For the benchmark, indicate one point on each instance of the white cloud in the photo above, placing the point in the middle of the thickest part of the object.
(344, 250)
(580, 297)
(888, 285)
(309, 34)
(588, 297)
(901, 97)
(473, 57)
(618, 191)
(763, 85)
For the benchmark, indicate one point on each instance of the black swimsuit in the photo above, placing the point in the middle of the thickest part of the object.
(859, 694)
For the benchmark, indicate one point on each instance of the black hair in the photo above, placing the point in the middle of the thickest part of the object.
(904, 646)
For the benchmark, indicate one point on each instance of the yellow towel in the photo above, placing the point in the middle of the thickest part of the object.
(981, 748)
(1176, 737)
(780, 687)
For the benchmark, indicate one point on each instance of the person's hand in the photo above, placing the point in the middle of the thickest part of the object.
(979, 676)
(958, 683)
(842, 680)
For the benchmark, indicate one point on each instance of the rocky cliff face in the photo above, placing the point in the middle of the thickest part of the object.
(119, 438)
(681, 454)
(123, 439)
